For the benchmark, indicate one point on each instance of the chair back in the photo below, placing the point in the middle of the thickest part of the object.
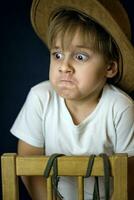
(13, 166)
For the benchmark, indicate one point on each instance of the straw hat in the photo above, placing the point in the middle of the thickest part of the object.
(108, 13)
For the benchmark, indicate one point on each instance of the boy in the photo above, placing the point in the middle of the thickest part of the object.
(78, 111)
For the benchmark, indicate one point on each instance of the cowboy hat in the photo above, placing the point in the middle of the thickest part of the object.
(110, 14)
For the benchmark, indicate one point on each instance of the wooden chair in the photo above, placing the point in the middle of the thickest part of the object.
(13, 166)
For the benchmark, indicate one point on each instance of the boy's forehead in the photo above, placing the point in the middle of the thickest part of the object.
(76, 41)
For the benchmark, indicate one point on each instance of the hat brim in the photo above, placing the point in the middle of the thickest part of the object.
(41, 10)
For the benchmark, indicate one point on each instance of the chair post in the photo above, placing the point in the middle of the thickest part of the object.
(9, 178)
(80, 182)
(49, 188)
(120, 177)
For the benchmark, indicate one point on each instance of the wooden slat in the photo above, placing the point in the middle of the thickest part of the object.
(120, 179)
(80, 182)
(30, 165)
(49, 188)
(67, 165)
(9, 178)
(130, 178)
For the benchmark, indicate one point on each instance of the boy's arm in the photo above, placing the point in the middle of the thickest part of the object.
(36, 185)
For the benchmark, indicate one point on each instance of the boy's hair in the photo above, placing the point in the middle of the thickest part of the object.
(64, 23)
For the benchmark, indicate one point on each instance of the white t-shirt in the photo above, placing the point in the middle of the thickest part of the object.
(44, 121)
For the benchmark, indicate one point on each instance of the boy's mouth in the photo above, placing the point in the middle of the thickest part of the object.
(66, 82)
(67, 78)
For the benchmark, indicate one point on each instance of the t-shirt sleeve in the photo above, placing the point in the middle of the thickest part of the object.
(125, 132)
(28, 124)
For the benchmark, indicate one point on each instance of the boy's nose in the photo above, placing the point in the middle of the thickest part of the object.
(66, 67)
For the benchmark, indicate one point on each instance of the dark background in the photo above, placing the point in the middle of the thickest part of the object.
(24, 62)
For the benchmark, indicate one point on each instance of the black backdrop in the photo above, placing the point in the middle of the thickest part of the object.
(25, 62)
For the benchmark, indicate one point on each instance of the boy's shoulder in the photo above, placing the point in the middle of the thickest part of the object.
(42, 86)
(117, 97)
(41, 92)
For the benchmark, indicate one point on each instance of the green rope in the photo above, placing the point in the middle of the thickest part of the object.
(88, 174)
(52, 163)
(106, 165)
(90, 166)
(107, 169)
(96, 195)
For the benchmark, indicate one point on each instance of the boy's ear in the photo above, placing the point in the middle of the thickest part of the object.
(111, 69)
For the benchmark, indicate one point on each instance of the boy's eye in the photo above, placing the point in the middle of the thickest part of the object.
(81, 57)
(58, 55)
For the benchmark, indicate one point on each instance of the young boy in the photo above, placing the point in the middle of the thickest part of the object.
(78, 111)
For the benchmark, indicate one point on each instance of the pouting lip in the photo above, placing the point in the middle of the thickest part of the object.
(64, 80)
(67, 79)
(67, 82)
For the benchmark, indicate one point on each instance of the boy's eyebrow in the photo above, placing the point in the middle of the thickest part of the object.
(83, 47)
(77, 46)
(55, 47)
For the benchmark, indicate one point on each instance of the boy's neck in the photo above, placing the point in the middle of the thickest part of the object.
(81, 109)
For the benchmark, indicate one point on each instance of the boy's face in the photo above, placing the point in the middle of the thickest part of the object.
(77, 72)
